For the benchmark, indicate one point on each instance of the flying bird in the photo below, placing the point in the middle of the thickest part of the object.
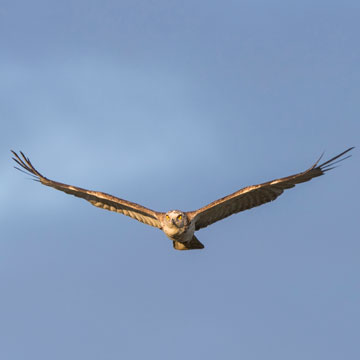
(179, 226)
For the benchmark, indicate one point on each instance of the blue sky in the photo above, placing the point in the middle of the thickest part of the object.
(173, 104)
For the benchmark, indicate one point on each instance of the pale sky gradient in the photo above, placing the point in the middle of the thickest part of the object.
(173, 104)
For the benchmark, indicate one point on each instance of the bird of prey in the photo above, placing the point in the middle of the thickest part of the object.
(179, 226)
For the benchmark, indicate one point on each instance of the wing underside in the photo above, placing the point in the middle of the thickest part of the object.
(256, 195)
(96, 198)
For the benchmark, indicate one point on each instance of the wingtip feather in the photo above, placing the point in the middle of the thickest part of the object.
(25, 164)
(329, 165)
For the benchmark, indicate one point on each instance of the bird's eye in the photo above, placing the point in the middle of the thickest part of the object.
(179, 217)
(167, 217)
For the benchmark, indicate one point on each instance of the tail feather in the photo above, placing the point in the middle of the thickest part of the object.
(194, 243)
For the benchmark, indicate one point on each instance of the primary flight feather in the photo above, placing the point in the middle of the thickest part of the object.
(180, 226)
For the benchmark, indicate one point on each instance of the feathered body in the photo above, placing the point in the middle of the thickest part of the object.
(178, 228)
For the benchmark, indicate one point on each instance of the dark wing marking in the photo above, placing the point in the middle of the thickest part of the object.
(256, 195)
(96, 198)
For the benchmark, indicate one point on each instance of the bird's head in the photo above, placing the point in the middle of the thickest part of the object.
(176, 218)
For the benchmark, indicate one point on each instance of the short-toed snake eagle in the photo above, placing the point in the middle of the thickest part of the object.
(179, 226)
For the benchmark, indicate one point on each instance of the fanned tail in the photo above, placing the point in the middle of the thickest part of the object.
(193, 244)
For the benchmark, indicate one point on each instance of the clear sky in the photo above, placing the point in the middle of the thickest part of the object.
(174, 104)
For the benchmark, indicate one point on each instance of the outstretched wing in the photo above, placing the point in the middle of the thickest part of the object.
(256, 195)
(96, 198)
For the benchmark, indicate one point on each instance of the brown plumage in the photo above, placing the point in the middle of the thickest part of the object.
(180, 226)
(96, 198)
(256, 195)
